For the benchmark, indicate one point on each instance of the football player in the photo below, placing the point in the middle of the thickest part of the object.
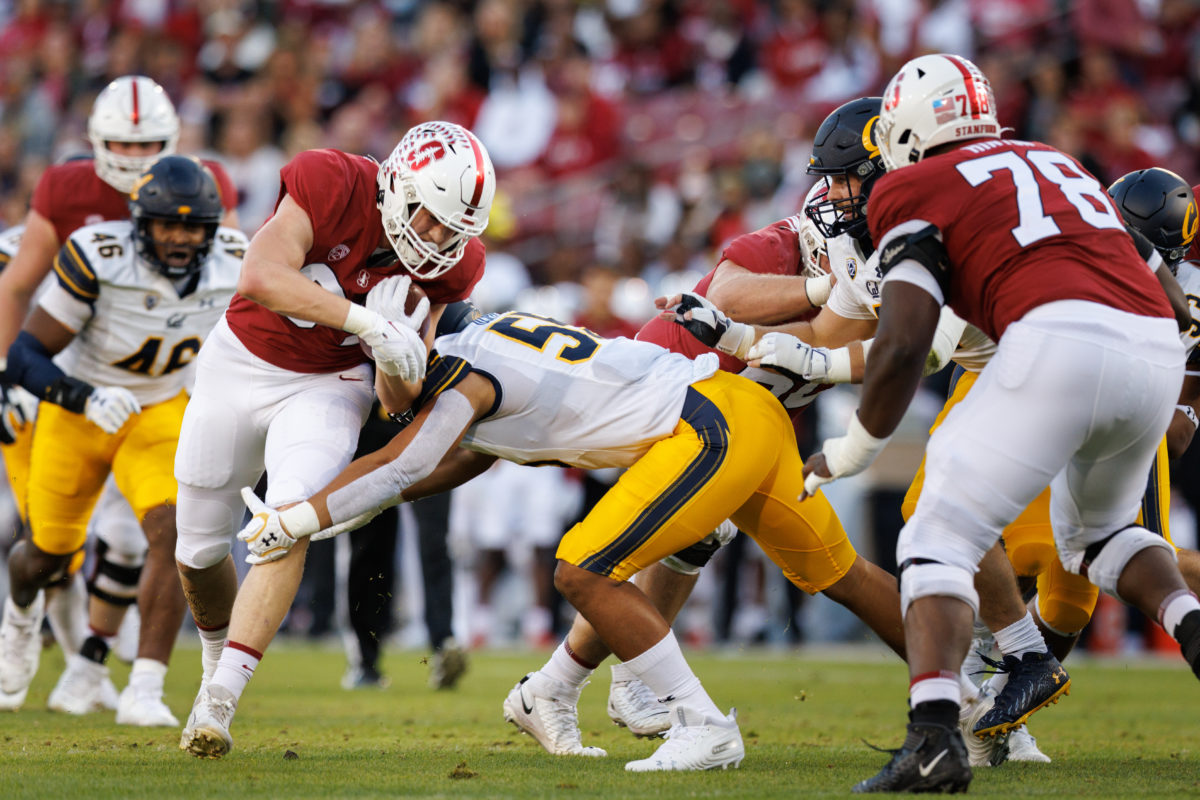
(132, 303)
(1059, 285)
(326, 278)
(132, 124)
(698, 445)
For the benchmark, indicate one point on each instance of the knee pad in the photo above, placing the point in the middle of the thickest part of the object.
(1065, 602)
(691, 560)
(924, 578)
(1103, 561)
(114, 578)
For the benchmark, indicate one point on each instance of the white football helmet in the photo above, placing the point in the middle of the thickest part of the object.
(812, 242)
(442, 167)
(132, 108)
(933, 100)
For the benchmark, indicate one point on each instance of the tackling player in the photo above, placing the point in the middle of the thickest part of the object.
(284, 383)
(131, 306)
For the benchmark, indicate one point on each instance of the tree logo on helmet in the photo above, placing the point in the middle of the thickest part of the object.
(425, 154)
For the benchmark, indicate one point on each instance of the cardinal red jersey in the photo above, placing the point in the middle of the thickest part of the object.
(773, 250)
(1024, 225)
(337, 191)
(72, 195)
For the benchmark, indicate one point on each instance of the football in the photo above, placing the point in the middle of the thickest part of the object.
(415, 293)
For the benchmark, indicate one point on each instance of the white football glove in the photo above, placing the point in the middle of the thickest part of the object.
(110, 407)
(397, 349)
(712, 327)
(388, 298)
(785, 352)
(846, 455)
(264, 533)
(18, 408)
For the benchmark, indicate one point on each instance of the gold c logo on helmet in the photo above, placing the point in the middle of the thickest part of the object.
(1189, 224)
(142, 181)
(868, 137)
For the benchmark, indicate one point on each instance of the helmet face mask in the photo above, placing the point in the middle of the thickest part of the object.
(846, 154)
(179, 190)
(131, 110)
(1160, 205)
(934, 100)
(442, 169)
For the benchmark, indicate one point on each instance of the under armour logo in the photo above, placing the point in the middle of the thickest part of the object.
(270, 539)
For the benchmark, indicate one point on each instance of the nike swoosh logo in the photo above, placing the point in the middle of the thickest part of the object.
(528, 708)
(925, 769)
(344, 378)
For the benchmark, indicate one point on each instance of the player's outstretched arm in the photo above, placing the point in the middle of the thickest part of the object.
(765, 299)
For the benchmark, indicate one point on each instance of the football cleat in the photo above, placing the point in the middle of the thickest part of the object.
(933, 758)
(990, 751)
(713, 744)
(1023, 747)
(546, 709)
(144, 707)
(110, 698)
(1034, 681)
(20, 649)
(447, 665)
(207, 731)
(632, 705)
(365, 678)
(79, 689)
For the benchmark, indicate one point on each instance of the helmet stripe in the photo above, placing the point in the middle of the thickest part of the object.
(480, 175)
(969, 80)
(136, 111)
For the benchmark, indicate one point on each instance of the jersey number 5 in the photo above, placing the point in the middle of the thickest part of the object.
(537, 331)
(1081, 190)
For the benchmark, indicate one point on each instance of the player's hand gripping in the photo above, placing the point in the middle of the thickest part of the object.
(397, 349)
(17, 409)
(110, 407)
(706, 322)
(842, 456)
(786, 353)
(388, 298)
(265, 534)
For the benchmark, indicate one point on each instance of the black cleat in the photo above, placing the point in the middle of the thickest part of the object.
(1034, 681)
(1187, 633)
(933, 758)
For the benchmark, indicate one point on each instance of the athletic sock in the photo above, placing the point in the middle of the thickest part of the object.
(566, 666)
(212, 644)
(236, 667)
(147, 675)
(1174, 608)
(1020, 638)
(664, 669)
(96, 647)
(935, 686)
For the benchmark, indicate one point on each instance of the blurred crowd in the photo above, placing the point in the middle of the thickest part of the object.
(632, 138)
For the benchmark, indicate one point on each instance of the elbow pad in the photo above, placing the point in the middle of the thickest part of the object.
(924, 247)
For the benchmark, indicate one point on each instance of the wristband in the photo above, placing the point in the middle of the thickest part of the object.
(855, 451)
(300, 520)
(360, 320)
(817, 290)
(1190, 413)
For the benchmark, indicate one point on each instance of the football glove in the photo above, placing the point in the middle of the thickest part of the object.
(711, 327)
(264, 534)
(18, 408)
(388, 298)
(843, 456)
(786, 353)
(110, 407)
(397, 349)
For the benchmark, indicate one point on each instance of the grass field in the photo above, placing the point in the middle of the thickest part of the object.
(1127, 729)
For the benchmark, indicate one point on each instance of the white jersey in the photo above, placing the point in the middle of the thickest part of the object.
(567, 396)
(855, 295)
(10, 240)
(132, 327)
(1188, 276)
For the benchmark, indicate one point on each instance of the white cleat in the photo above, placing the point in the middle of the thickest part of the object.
(20, 649)
(1023, 747)
(546, 710)
(981, 752)
(632, 705)
(109, 697)
(207, 731)
(79, 689)
(710, 745)
(144, 708)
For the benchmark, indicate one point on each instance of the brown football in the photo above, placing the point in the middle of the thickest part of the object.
(415, 293)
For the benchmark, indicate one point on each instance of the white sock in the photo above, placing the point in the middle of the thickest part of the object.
(147, 675)
(236, 668)
(1174, 608)
(933, 686)
(1020, 638)
(664, 669)
(622, 673)
(565, 667)
(212, 642)
(66, 609)
(970, 692)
